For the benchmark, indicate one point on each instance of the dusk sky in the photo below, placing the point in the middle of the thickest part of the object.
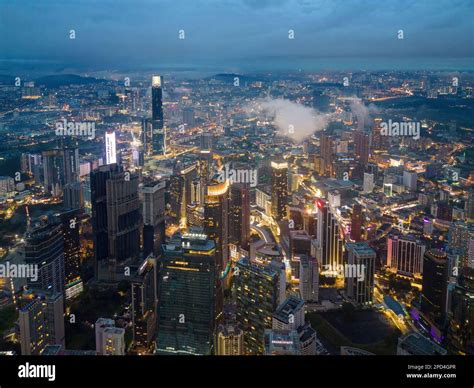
(123, 33)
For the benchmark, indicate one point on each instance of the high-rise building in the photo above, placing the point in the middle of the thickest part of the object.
(328, 238)
(144, 299)
(216, 220)
(356, 223)
(434, 286)
(309, 279)
(159, 131)
(110, 148)
(368, 182)
(327, 147)
(410, 180)
(459, 235)
(281, 343)
(361, 143)
(289, 315)
(187, 296)
(153, 217)
(42, 323)
(44, 249)
(109, 340)
(230, 340)
(239, 215)
(146, 137)
(360, 278)
(405, 255)
(72, 196)
(257, 290)
(279, 189)
(115, 219)
(71, 226)
(461, 330)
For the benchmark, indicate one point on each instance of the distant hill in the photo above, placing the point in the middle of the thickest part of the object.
(54, 81)
(229, 77)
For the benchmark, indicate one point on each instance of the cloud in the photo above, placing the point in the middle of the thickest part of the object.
(363, 113)
(291, 119)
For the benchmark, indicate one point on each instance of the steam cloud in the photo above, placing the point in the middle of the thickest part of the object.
(291, 119)
(363, 113)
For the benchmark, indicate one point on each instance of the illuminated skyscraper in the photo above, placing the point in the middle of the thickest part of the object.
(187, 296)
(230, 340)
(110, 148)
(361, 142)
(356, 223)
(360, 276)
(328, 238)
(153, 217)
(279, 189)
(159, 132)
(405, 255)
(239, 215)
(327, 153)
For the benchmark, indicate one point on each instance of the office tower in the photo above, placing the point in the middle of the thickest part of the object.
(361, 143)
(230, 340)
(281, 343)
(70, 226)
(434, 286)
(289, 315)
(206, 141)
(459, 236)
(72, 196)
(409, 180)
(279, 189)
(299, 245)
(7, 185)
(216, 220)
(42, 324)
(308, 340)
(86, 195)
(153, 217)
(327, 152)
(159, 132)
(109, 340)
(115, 219)
(53, 165)
(44, 249)
(361, 274)
(329, 239)
(378, 142)
(461, 329)
(110, 148)
(257, 292)
(444, 211)
(181, 191)
(187, 296)
(356, 223)
(368, 182)
(188, 117)
(146, 137)
(469, 207)
(405, 255)
(239, 215)
(309, 279)
(71, 163)
(415, 344)
(144, 299)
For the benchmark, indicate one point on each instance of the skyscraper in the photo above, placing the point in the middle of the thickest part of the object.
(144, 299)
(159, 132)
(239, 215)
(279, 189)
(434, 286)
(327, 153)
(42, 323)
(361, 142)
(110, 340)
(44, 249)
(309, 279)
(356, 223)
(257, 290)
(153, 217)
(368, 182)
(405, 255)
(360, 277)
(328, 238)
(115, 219)
(230, 340)
(187, 296)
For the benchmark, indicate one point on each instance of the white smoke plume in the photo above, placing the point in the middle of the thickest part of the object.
(363, 113)
(291, 119)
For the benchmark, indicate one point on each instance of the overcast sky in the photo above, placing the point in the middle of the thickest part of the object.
(121, 33)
